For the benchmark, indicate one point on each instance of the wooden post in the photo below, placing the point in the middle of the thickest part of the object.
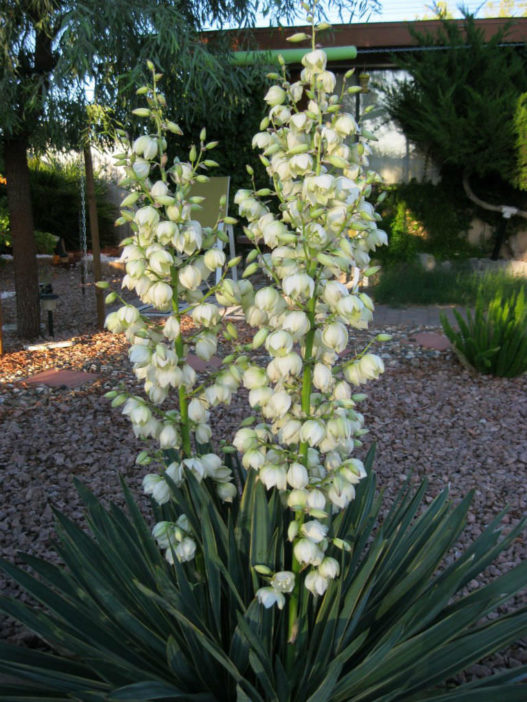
(94, 233)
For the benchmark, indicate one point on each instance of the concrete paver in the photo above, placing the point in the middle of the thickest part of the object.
(432, 340)
(412, 316)
(56, 377)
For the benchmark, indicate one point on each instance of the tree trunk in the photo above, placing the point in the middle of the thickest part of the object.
(1, 331)
(24, 246)
(94, 232)
(506, 211)
(499, 239)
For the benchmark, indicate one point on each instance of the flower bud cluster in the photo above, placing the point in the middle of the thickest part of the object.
(176, 539)
(315, 156)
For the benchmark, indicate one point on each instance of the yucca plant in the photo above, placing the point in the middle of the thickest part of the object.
(122, 624)
(493, 339)
(196, 609)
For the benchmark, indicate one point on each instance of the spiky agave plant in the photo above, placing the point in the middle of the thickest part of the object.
(493, 338)
(122, 623)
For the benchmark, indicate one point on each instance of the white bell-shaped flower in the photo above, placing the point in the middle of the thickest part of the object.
(297, 476)
(185, 550)
(316, 500)
(307, 551)
(273, 475)
(335, 336)
(315, 60)
(314, 530)
(283, 581)
(169, 437)
(269, 596)
(189, 277)
(299, 286)
(323, 378)
(316, 583)
(158, 487)
(214, 258)
(196, 411)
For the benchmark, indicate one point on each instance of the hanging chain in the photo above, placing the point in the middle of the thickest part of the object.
(84, 243)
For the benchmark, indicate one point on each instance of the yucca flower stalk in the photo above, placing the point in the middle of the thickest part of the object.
(320, 237)
(316, 159)
(169, 260)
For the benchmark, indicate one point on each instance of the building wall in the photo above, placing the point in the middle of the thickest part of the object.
(394, 157)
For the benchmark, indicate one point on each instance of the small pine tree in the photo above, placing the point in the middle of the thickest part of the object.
(458, 103)
(520, 125)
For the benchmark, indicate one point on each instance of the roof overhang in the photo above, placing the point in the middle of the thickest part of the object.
(376, 42)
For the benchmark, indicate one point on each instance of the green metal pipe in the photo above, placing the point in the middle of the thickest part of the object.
(247, 58)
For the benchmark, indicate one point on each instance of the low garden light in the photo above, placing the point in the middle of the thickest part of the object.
(48, 303)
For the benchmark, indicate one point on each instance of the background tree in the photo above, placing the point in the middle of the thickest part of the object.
(459, 105)
(506, 8)
(52, 51)
(438, 10)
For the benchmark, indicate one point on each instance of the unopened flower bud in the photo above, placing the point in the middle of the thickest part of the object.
(292, 530)
(275, 95)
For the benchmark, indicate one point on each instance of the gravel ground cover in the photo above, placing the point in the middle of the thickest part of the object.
(429, 416)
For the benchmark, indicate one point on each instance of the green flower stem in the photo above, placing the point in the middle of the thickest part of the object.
(308, 371)
(306, 409)
(183, 408)
(306, 387)
(183, 400)
(292, 629)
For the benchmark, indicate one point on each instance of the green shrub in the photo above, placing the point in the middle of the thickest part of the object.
(493, 339)
(426, 218)
(46, 242)
(396, 625)
(55, 193)
(56, 201)
(403, 243)
(411, 284)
